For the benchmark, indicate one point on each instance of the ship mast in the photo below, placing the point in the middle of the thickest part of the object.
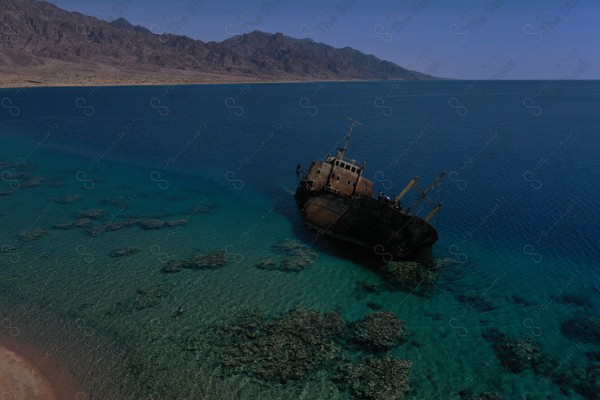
(424, 196)
(342, 150)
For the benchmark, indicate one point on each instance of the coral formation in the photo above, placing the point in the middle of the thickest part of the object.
(149, 224)
(95, 213)
(582, 328)
(475, 302)
(67, 199)
(290, 256)
(518, 355)
(124, 251)
(78, 223)
(515, 354)
(117, 201)
(150, 297)
(378, 332)
(299, 344)
(214, 260)
(146, 224)
(288, 348)
(375, 378)
(31, 235)
(409, 276)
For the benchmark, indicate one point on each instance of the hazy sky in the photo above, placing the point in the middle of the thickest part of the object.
(478, 39)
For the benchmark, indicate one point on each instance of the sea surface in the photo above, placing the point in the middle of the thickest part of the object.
(517, 256)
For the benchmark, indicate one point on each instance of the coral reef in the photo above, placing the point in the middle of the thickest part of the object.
(582, 328)
(214, 260)
(375, 378)
(67, 199)
(150, 297)
(467, 395)
(574, 299)
(117, 201)
(78, 223)
(367, 287)
(378, 332)
(515, 354)
(409, 276)
(149, 224)
(31, 235)
(289, 256)
(125, 251)
(288, 348)
(112, 226)
(95, 213)
(146, 224)
(302, 344)
(267, 264)
(475, 302)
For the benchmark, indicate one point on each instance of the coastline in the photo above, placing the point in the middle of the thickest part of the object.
(63, 74)
(28, 373)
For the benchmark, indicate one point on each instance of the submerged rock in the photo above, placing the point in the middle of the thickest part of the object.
(214, 260)
(375, 378)
(125, 251)
(378, 332)
(582, 328)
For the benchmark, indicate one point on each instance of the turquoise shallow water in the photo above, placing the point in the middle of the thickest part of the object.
(518, 230)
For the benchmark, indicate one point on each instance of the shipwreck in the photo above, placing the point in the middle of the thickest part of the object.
(336, 200)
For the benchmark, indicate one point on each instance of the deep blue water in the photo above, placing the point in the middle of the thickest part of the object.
(520, 221)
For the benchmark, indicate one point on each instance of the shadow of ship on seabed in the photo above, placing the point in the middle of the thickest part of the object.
(337, 202)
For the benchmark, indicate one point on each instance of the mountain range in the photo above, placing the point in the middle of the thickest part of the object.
(38, 37)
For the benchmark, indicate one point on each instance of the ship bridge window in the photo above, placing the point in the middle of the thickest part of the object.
(318, 171)
(348, 182)
(347, 167)
(337, 163)
(338, 178)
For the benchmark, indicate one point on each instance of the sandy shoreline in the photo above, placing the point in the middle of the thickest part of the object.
(21, 380)
(57, 74)
(27, 373)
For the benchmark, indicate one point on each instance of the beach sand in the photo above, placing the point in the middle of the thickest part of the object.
(19, 379)
(61, 73)
(27, 374)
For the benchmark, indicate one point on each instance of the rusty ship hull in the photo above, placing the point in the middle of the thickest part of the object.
(365, 222)
(336, 200)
